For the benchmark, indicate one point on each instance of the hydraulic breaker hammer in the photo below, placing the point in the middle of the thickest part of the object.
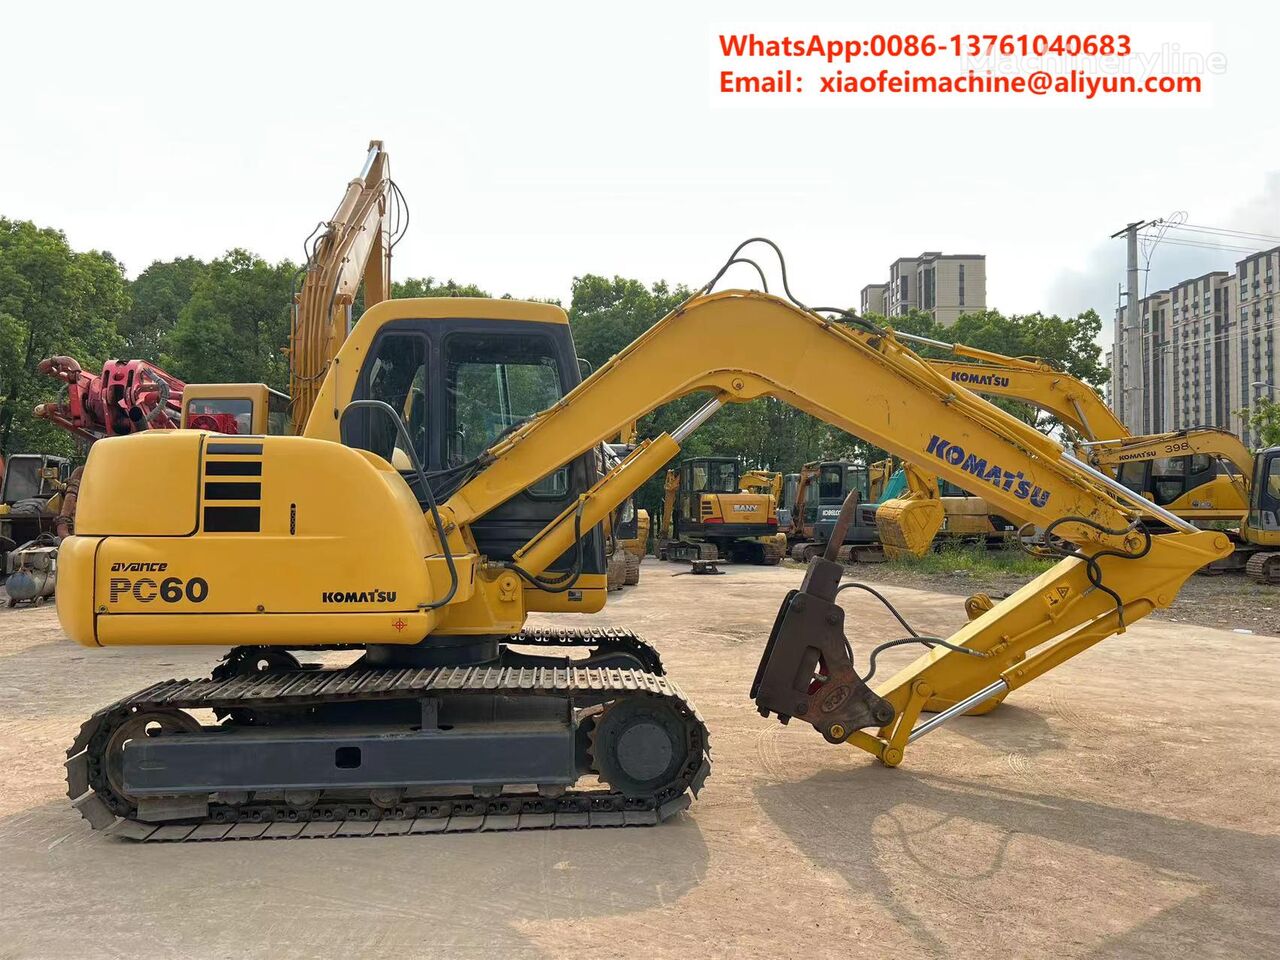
(807, 668)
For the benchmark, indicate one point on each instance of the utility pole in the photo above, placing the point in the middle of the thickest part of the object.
(1133, 390)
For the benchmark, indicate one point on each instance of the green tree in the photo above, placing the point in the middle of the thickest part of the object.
(606, 315)
(1264, 421)
(428, 287)
(1068, 342)
(53, 301)
(235, 327)
(159, 295)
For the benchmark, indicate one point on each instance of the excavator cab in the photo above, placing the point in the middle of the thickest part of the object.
(837, 481)
(461, 377)
(1184, 484)
(1263, 523)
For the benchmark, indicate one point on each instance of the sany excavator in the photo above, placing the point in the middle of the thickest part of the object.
(453, 715)
(708, 514)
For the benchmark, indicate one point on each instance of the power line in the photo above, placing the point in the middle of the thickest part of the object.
(1205, 244)
(1199, 228)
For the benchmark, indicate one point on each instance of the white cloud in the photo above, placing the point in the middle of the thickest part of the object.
(1096, 283)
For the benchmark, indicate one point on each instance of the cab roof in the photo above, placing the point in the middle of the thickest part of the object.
(448, 308)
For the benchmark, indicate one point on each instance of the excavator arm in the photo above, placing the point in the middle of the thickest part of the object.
(351, 248)
(908, 525)
(1105, 439)
(1112, 572)
(1072, 401)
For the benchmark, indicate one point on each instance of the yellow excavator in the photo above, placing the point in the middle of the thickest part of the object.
(455, 716)
(1197, 474)
(1202, 474)
(762, 481)
(707, 516)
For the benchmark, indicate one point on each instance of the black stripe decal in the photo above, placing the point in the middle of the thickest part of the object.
(239, 449)
(233, 468)
(233, 491)
(232, 519)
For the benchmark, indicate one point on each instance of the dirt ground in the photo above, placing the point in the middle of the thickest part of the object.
(1125, 805)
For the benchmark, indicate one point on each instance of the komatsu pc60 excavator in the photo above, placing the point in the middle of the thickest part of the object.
(460, 441)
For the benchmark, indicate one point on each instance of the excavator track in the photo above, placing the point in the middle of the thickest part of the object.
(598, 695)
(1264, 567)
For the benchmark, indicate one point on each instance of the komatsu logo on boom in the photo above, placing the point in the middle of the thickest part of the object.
(979, 379)
(1011, 481)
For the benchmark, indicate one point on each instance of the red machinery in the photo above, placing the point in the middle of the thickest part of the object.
(128, 396)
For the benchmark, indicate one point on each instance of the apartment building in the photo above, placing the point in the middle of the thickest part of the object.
(944, 285)
(1205, 342)
(873, 299)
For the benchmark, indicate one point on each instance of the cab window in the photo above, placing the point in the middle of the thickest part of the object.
(1134, 476)
(857, 479)
(722, 477)
(831, 483)
(1168, 479)
(277, 414)
(1272, 485)
(397, 375)
(224, 414)
(493, 383)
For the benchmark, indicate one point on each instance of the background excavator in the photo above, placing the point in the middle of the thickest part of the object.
(708, 515)
(454, 717)
(34, 492)
(1202, 475)
(821, 489)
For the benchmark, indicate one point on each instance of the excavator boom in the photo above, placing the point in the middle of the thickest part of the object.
(1073, 402)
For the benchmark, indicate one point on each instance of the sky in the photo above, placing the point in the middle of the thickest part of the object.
(539, 142)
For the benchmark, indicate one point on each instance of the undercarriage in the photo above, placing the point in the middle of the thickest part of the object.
(523, 740)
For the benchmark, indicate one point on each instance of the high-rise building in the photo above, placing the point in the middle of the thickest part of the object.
(944, 285)
(873, 295)
(1205, 342)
